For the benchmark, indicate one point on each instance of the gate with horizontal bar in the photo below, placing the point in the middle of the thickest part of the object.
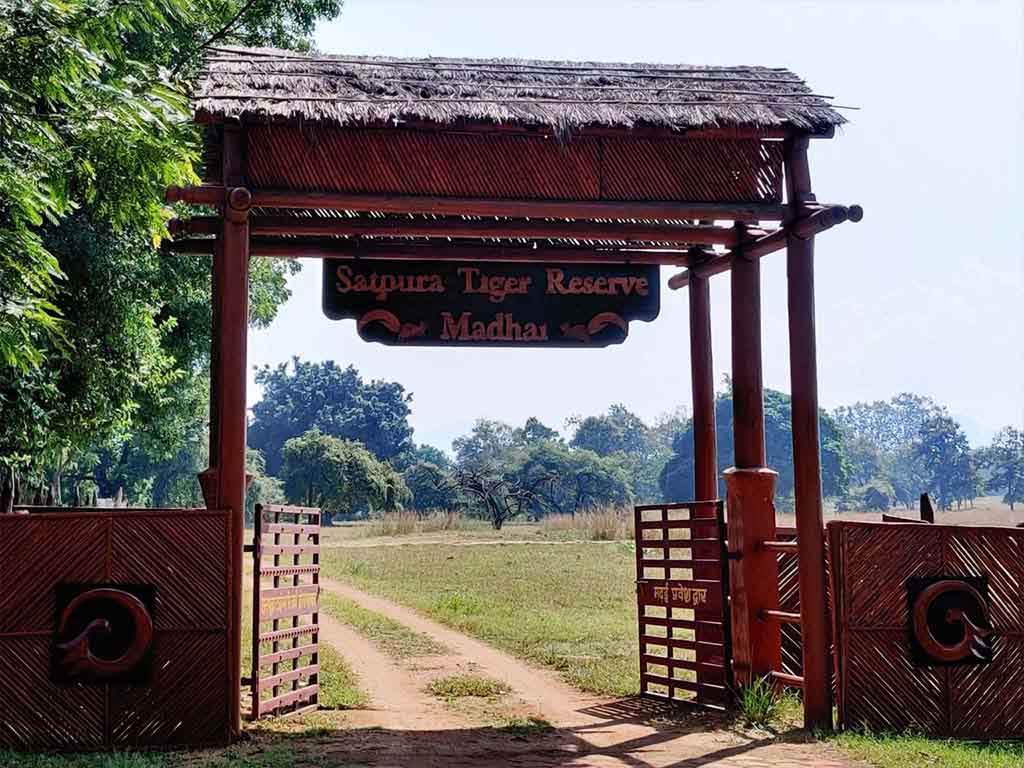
(285, 672)
(682, 593)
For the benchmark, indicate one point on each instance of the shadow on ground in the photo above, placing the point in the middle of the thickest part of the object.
(674, 736)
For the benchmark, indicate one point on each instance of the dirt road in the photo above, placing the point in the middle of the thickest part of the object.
(408, 727)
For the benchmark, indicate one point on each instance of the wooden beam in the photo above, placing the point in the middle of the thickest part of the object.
(312, 248)
(809, 221)
(807, 490)
(495, 228)
(670, 210)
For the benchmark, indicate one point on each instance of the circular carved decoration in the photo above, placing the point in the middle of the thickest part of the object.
(103, 634)
(950, 622)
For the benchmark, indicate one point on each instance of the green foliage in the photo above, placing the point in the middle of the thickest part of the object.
(642, 451)
(100, 334)
(263, 489)
(430, 486)
(1004, 461)
(334, 400)
(462, 686)
(576, 479)
(390, 636)
(486, 444)
(758, 702)
(677, 476)
(339, 475)
(945, 456)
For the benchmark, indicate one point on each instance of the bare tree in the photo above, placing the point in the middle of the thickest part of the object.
(502, 496)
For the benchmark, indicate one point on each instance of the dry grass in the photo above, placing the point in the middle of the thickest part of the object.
(410, 523)
(604, 523)
(987, 510)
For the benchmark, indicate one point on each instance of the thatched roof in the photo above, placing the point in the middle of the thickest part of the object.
(267, 84)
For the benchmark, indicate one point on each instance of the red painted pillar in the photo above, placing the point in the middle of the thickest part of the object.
(803, 365)
(750, 489)
(709, 632)
(229, 382)
(702, 375)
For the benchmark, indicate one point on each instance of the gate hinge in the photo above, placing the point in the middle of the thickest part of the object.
(733, 555)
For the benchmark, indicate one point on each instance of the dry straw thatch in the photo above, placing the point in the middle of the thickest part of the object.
(268, 84)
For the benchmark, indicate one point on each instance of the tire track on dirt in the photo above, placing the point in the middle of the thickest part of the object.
(396, 696)
(600, 731)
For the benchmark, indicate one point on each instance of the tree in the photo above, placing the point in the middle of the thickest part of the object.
(320, 470)
(888, 425)
(486, 444)
(431, 487)
(569, 480)
(534, 431)
(93, 125)
(618, 431)
(1004, 460)
(334, 400)
(945, 455)
(262, 489)
(643, 451)
(500, 496)
(677, 476)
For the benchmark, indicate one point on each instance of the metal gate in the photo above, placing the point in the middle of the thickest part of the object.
(682, 602)
(285, 611)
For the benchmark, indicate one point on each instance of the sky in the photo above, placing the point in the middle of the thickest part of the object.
(923, 295)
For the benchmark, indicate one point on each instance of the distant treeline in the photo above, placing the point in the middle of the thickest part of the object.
(322, 435)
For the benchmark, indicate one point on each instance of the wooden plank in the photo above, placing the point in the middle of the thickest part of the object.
(300, 528)
(287, 654)
(517, 208)
(495, 228)
(287, 509)
(675, 524)
(289, 570)
(290, 632)
(289, 549)
(277, 593)
(287, 677)
(689, 564)
(292, 697)
(289, 613)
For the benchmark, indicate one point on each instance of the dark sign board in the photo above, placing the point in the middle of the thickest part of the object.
(442, 303)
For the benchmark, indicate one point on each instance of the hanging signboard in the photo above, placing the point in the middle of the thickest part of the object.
(424, 303)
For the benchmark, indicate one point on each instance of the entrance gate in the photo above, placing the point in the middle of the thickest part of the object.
(285, 676)
(682, 593)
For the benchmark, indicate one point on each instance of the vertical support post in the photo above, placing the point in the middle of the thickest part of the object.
(230, 341)
(257, 582)
(705, 447)
(705, 461)
(750, 488)
(803, 368)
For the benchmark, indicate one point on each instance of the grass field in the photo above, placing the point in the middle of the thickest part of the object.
(392, 638)
(570, 607)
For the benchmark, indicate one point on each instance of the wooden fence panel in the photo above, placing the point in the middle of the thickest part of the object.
(285, 673)
(682, 602)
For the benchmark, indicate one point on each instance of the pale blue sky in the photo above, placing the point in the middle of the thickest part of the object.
(924, 294)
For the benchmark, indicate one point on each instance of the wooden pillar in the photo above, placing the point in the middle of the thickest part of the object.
(803, 366)
(229, 379)
(702, 375)
(750, 490)
(709, 634)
